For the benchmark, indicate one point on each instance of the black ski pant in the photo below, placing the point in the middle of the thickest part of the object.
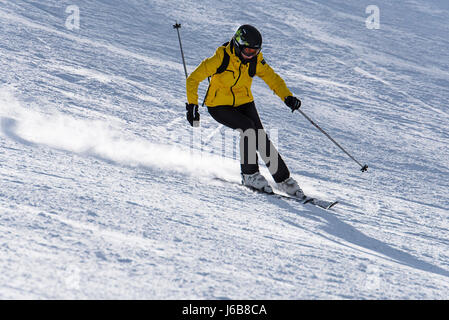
(253, 137)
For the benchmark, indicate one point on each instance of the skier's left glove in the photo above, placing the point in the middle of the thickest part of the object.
(293, 102)
(192, 114)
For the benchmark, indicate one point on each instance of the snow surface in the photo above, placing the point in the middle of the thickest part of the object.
(103, 194)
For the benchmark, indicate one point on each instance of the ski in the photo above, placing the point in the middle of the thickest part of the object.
(306, 200)
(317, 202)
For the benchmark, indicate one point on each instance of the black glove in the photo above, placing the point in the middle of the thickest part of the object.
(192, 114)
(293, 102)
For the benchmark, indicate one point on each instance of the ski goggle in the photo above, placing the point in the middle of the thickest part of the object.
(249, 53)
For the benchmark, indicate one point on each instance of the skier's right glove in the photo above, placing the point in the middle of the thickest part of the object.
(293, 102)
(193, 115)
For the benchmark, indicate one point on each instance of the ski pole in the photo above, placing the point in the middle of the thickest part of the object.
(177, 26)
(363, 167)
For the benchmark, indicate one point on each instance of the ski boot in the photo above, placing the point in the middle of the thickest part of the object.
(256, 181)
(290, 186)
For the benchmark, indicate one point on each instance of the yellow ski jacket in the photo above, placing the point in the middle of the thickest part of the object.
(233, 86)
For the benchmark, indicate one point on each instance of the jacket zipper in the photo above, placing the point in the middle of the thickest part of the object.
(208, 87)
(233, 95)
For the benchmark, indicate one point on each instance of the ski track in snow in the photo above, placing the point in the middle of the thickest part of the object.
(102, 195)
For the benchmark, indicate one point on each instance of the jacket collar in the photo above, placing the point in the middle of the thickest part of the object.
(231, 52)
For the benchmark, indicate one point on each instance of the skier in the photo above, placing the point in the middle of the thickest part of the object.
(230, 102)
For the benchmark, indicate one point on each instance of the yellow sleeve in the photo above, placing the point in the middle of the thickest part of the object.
(207, 68)
(272, 79)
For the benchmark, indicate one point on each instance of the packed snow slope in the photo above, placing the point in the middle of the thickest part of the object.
(107, 193)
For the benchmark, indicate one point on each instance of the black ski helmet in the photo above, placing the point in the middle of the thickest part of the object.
(246, 36)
